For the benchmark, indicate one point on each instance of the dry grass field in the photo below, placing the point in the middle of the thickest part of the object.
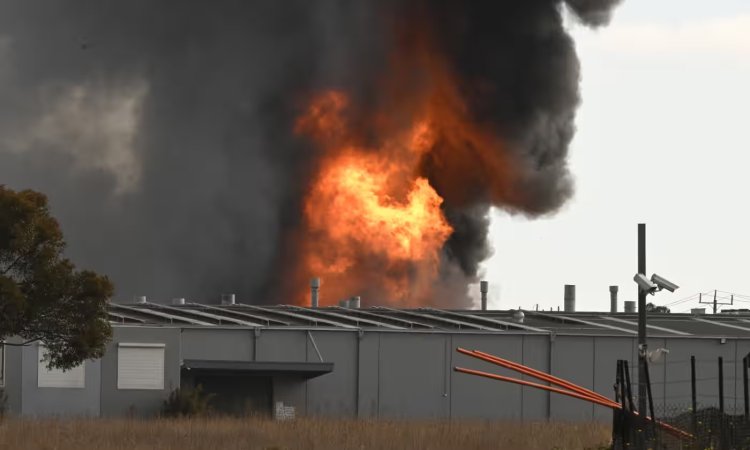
(235, 434)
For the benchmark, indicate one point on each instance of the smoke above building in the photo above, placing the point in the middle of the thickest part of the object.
(205, 147)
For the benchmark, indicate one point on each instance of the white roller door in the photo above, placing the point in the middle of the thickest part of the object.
(140, 366)
(56, 378)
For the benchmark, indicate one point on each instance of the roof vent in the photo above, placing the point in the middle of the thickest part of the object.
(344, 303)
(140, 299)
(570, 298)
(314, 292)
(698, 311)
(518, 316)
(227, 299)
(483, 289)
(629, 306)
(355, 302)
(613, 299)
(178, 301)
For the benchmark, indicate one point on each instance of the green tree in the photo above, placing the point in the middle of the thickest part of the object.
(650, 307)
(42, 295)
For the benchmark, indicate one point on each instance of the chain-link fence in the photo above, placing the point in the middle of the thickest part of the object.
(710, 418)
(711, 429)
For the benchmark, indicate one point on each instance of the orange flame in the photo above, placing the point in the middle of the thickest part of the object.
(367, 207)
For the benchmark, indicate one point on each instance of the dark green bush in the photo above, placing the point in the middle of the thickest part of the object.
(188, 402)
(3, 403)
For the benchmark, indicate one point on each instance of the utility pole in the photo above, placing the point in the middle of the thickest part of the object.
(642, 389)
(715, 303)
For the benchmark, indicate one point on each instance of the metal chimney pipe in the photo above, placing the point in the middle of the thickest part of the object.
(629, 306)
(570, 298)
(227, 299)
(613, 299)
(355, 302)
(314, 292)
(484, 287)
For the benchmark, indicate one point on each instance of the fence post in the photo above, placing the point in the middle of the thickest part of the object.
(650, 400)
(617, 440)
(722, 428)
(693, 396)
(628, 386)
(744, 384)
(627, 399)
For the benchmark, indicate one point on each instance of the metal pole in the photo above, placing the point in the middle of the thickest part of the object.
(744, 384)
(617, 414)
(715, 302)
(630, 420)
(693, 395)
(650, 402)
(721, 385)
(642, 389)
(722, 429)
(628, 386)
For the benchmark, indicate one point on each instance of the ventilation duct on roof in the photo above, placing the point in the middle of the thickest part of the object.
(483, 288)
(314, 292)
(570, 298)
(613, 299)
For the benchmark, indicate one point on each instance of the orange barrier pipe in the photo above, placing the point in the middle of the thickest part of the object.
(608, 403)
(493, 376)
(532, 372)
(542, 375)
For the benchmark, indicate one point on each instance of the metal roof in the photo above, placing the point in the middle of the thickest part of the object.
(428, 320)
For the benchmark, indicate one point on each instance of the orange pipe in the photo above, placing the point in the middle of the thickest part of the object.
(532, 372)
(545, 376)
(606, 402)
(609, 404)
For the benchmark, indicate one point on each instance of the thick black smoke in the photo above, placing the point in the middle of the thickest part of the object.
(162, 130)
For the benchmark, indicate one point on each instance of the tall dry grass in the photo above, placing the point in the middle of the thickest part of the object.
(235, 434)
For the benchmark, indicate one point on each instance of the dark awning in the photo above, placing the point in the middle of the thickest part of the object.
(258, 368)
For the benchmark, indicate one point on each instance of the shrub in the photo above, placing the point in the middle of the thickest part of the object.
(3, 403)
(187, 402)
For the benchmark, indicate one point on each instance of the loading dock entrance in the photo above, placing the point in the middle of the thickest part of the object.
(245, 387)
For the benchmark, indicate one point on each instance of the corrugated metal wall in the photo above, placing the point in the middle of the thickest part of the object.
(394, 374)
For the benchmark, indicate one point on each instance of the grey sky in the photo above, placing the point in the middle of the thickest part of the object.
(662, 139)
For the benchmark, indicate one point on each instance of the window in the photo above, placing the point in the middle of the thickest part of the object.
(140, 366)
(56, 378)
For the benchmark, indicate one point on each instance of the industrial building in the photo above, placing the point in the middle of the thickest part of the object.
(373, 362)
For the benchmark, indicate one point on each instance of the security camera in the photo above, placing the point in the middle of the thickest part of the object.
(645, 284)
(663, 283)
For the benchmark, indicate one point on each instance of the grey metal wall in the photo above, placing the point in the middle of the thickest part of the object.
(13, 376)
(334, 394)
(393, 374)
(218, 344)
(146, 402)
(46, 401)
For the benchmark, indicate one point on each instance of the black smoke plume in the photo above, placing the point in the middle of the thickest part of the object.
(162, 130)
